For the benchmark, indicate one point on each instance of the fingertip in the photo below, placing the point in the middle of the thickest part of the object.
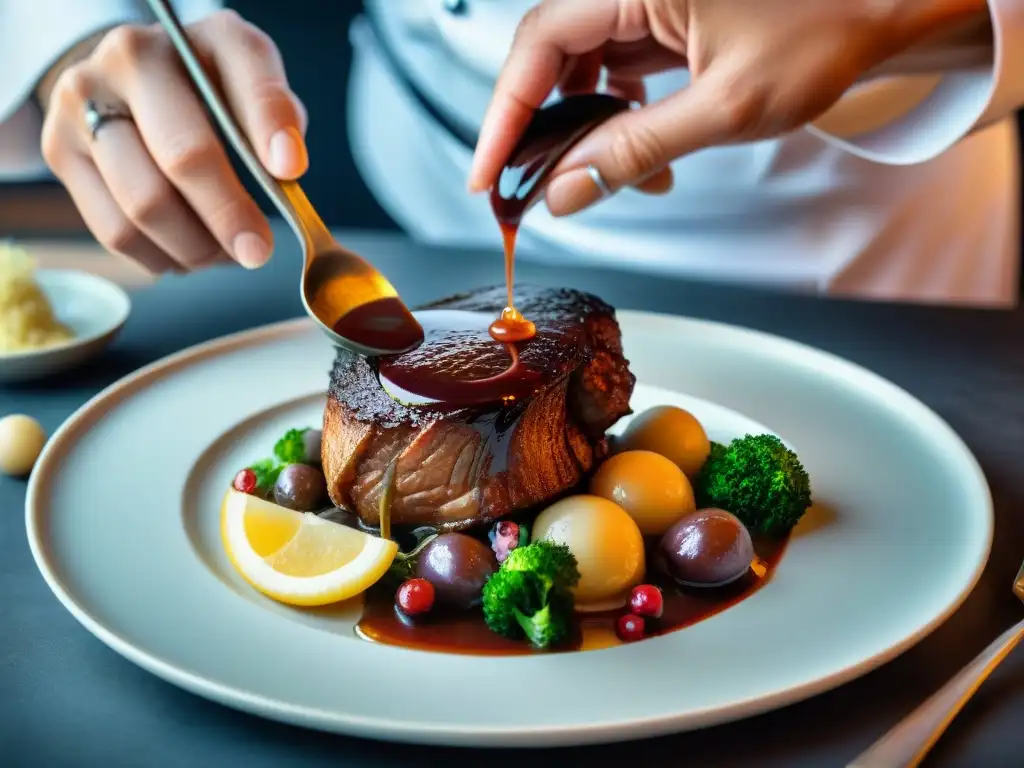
(475, 186)
(480, 175)
(287, 155)
(251, 250)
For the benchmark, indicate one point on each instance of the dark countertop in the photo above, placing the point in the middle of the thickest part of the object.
(67, 700)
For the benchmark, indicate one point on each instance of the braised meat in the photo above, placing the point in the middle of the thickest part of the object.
(469, 440)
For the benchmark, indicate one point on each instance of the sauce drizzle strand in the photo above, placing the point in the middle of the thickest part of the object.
(552, 132)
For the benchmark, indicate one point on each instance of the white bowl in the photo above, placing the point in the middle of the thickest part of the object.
(94, 308)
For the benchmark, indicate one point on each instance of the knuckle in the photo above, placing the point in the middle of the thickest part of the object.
(119, 236)
(145, 206)
(126, 44)
(274, 98)
(253, 40)
(187, 156)
(71, 87)
(257, 43)
(225, 18)
(232, 215)
(742, 108)
(531, 22)
(636, 151)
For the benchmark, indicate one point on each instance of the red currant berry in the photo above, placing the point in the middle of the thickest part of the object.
(245, 481)
(415, 597)
(646, 600)
(630, 628)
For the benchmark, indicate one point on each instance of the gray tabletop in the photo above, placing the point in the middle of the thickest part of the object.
(65, 699)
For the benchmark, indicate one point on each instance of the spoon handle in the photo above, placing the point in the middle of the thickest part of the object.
(906, 745)
(288, 196)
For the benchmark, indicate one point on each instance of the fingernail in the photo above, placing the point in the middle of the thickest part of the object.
(572, 192)
(288, 156)
(250, 250)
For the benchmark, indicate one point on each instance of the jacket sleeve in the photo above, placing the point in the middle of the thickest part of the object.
(34, 34)
(939, 111)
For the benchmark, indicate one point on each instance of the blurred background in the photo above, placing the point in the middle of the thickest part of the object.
(395, 90)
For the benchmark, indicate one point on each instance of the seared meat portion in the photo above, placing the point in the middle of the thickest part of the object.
(486, 451)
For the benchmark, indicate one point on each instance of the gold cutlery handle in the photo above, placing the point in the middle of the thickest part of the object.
(907, 744)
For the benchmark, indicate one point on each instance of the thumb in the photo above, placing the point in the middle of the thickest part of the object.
(636, 146)
(253, 80)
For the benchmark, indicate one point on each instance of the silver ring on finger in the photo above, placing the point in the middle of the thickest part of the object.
(97, 115)
(599, 181)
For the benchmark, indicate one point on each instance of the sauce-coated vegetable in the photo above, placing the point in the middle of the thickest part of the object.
(607, 544)
(300, 487)
(458, 566)
(709, 548)
(651, 488)
(673, 432)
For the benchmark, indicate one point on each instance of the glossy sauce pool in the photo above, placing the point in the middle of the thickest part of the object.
(466, 632)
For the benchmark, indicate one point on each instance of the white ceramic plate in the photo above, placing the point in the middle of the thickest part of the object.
(94, 308)
(122, 519)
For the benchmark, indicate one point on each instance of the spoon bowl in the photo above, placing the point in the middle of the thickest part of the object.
(353, 303)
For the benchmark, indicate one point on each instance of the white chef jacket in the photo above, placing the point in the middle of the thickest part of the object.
(908, 190)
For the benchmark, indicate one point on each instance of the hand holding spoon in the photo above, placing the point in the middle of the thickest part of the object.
(354, 304)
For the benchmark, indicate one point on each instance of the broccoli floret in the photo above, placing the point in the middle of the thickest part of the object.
(291, 448)
(550, 560)
(266, 472)
(530, 594)
(758, 479)
(504, 593)
(717, 452)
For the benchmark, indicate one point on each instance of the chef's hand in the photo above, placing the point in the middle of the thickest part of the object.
(759, 69)
(158, 187)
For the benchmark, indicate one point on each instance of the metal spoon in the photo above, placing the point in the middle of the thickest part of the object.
(354, 304)
(909, 742)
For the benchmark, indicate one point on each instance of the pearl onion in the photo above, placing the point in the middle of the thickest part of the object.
(21, 440)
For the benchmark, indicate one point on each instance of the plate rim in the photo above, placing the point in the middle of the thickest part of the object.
(449, 733)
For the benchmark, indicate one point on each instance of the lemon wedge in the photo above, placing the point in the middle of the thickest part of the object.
(299, 558)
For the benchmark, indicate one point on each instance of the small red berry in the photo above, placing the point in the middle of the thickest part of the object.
(245, 481)
(630, 628)
(646, 600)
(415, 597)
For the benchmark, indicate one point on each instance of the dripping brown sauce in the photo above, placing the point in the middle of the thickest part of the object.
(466, 633)
(550, 135)
(552, 132)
